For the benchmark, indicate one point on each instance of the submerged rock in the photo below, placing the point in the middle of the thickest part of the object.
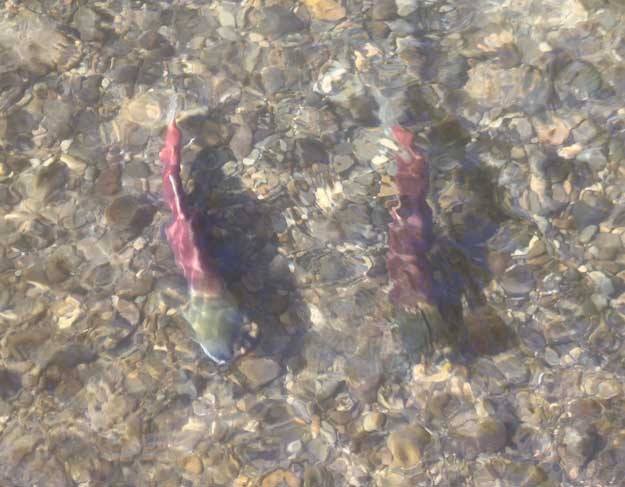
(407, 445)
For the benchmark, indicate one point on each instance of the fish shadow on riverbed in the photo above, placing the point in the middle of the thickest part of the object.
(467, 217)
(239, 236)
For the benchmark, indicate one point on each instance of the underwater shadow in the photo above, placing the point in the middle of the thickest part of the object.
(239, 236)
(467, 216)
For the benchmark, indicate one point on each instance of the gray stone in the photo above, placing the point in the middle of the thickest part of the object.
(608, 245)
(518, 281)
(310, 151)
(384, 10)
(272, 78)
(591, 210)
(587, 234)
(258, 371)
(603, 284)
(137, 169)
(277, 21)
(226, 14)
(585, 132)
(406, 7)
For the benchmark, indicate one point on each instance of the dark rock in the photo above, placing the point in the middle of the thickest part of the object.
(11, 89)
(487, 333)
(591, 210)
(129, 213)
(579, 80)
(310, 151)
(518, 281)
(108, 181)
(608, 245)
(153, 40)
(90, 89)
(126, 73)
(272, 78)
(277, 21)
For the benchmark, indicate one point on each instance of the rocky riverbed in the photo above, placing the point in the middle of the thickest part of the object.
(285, 108)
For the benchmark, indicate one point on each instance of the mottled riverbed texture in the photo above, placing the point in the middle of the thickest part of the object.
(285, 108)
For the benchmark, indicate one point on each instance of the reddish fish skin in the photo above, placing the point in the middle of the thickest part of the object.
(411, 229)
(197, 266)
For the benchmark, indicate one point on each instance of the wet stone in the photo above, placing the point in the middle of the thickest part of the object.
(275, 21)
(310, 151)
(585, 132)
(136, 169)
(11, 89)
(342, 163)
(241, 142)
(129, 213)
(512, 367)
(407, 445)
(406, 7)
(258, 371)
(49, 180)
(373, 421)
(578, 444)
(587, 234)
(518, 281)
(193, 465)
(579, 80)
(108, 181)
(273, 79)
(384, 10)
(591, 210)
(328, 10)
(279, 478)
(226, 14)
(603, 284)
(608, 245)
(378, 29)
(478, 435)
(594, 157)
(154, 40)
(487, 333)
(87, 21)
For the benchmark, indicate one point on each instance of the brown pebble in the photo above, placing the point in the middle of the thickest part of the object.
(258, 371)
(193, 464)
(315, 426)
(108, 182)
(487, 333)
(407, 444)
(373, 421)
(281, 478)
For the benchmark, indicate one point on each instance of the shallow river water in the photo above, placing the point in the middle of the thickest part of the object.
(286, 109)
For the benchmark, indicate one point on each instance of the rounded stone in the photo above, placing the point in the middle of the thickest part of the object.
(481, 435)
(259, 371)
(518, 281)
(608, 245)
(373, 421)
(384, 10)
(407, 445)
(193, 465)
